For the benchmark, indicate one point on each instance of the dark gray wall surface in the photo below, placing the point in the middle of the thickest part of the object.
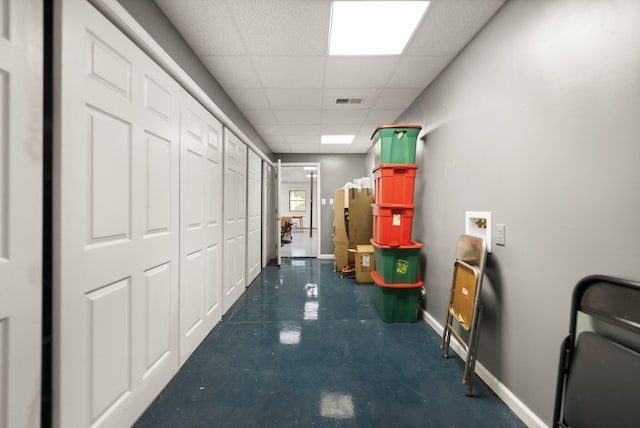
(537, 121)
(154, 21)
(335, 171)
(269, 204)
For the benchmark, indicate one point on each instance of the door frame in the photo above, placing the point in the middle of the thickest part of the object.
(316, 198)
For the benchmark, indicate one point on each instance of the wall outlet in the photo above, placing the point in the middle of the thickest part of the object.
(500, 234)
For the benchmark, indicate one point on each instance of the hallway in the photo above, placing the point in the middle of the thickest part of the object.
(303, 347)
(301, 245)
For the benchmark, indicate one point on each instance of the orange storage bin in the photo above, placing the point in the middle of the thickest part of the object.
(392, 224)
(394, 183)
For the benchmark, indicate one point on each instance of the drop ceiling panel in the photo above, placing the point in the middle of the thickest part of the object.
(299, 117)
(275, 140)
(293, 27)
(337, 129)
(342, 117)
(290, 72)
(381, 117)
(245, 99)
(232, 71)
(397, 99)
(311, 148)
(359, 72)
(268, 130)
(302, 140)
(260, 117)
(271, 58)
(308, 130)
(280, 147)
(286, 99)
(368, 97)
(449, 26)
(207, 26)
(418, 71)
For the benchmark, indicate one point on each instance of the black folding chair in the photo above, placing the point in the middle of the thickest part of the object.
(599, 370)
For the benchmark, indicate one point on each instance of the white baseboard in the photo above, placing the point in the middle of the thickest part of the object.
(325, 256)
(508, 397)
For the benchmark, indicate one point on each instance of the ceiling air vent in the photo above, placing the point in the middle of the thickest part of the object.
(349, 100)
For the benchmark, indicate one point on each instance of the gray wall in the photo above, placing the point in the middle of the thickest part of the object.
(537, 121)
(272, 239)
(335, 171)
(153, 20)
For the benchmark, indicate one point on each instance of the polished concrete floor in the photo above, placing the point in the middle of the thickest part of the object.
(305, 348)
(301, 245)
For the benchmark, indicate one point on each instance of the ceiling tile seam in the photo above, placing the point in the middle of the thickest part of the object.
(244, 44)
(235, 25)
(418, 26)
(393, 72)
(305, 57)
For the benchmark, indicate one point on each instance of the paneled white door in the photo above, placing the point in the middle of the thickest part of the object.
(116, 228)
(254, 216)
(20, 212)
(200, 225)
(235, 195)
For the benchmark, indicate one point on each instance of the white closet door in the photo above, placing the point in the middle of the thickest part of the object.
(254, 214)
(235, 194)
(200, 225)
(20, 212)
(116, 219)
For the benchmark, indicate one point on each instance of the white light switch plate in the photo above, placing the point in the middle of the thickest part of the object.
(500, 234)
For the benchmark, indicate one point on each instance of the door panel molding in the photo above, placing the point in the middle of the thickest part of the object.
(21, 163)
(116, 223)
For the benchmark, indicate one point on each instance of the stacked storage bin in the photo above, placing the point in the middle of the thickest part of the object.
(396, 254)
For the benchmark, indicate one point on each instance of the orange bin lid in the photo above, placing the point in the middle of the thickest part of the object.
(413, 246)
(376, 278)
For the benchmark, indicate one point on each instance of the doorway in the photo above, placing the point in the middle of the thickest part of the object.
(298, 205)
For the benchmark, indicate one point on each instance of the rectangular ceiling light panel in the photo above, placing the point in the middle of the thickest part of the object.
(373, 27)
(337, 139)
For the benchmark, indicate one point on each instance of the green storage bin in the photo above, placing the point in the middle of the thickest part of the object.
(397, 265)
(395, 143)
(397, 304)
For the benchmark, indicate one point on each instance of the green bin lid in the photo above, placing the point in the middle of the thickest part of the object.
(379, 127)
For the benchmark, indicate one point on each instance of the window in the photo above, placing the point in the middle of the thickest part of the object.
(297, 200)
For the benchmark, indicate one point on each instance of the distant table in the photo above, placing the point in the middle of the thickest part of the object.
(301, 218)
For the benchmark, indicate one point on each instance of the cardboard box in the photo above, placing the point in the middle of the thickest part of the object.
(339, 227)
(365, 262)
(342, 256)
(360, 229)
(352, 223)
